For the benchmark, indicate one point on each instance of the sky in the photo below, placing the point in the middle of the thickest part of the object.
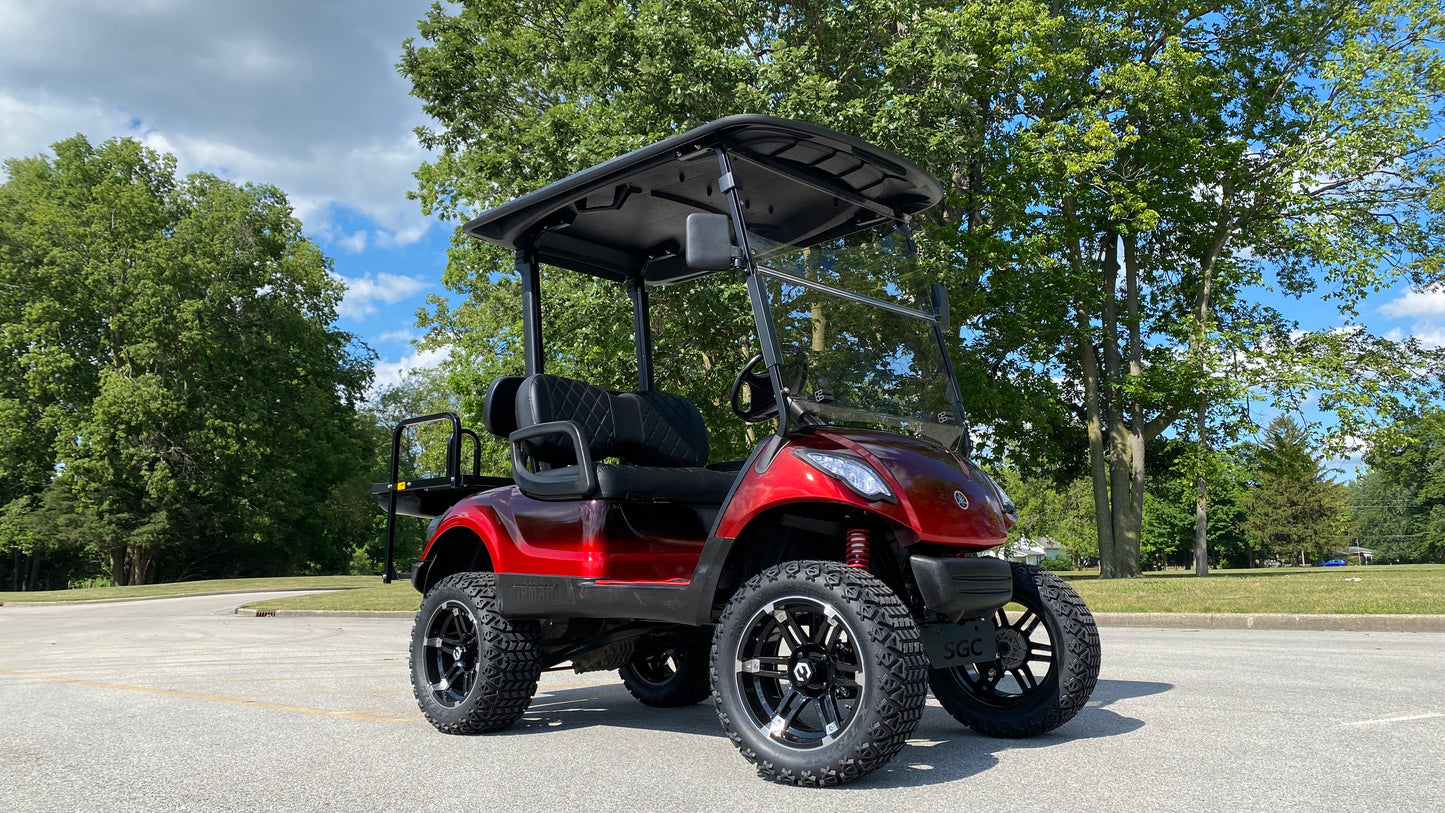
(305, 96)
(302, 95)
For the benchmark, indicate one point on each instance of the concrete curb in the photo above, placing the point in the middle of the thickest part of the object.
(1275, 621)
(1235, 621)
(252, 611)
(177, 595)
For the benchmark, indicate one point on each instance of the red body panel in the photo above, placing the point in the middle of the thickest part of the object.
(922, 475)
(615, 542)
(590, 539)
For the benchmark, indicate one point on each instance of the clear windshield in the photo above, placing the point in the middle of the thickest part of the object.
(851, 362)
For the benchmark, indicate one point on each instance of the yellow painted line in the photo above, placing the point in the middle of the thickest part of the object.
(326, 692)
(273, 679)
(366, 716)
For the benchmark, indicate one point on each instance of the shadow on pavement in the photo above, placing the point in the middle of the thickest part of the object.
(941, 750)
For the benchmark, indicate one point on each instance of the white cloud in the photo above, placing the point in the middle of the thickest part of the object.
(390, 373)
(1430, 336)
(1416, 303)
(304, 96)
(363, 293)
(354, 243)
(403, 336)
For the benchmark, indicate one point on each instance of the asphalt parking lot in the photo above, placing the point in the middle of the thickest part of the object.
(179, 704)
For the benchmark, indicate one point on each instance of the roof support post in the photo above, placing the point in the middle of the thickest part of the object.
(529, 271)
(642, 328)
(757, 294)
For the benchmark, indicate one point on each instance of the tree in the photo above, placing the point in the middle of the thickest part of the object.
(1170, 501)
(1047, 509)
(1293, 511)
(1117, 178)
(1399, 504)
(171, 369)
(1382, 519)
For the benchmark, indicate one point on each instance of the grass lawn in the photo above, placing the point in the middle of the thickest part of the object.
(192, 588)
(1388, 589)
(399, 595)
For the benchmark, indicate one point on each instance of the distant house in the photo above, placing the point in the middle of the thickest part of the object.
(1030, 551)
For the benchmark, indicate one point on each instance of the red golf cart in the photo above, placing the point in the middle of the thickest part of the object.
(815, 590)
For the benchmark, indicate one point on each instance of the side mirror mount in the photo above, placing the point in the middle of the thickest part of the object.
(709, 242)
(939, 299)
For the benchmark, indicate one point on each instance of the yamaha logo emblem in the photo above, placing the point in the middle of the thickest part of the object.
(961, 499)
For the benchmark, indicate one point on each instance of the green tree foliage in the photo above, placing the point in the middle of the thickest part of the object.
(175, 401)
(1383, 519)
(1168, 532)
(1399, 505)
(1047, 509)
(1118, 176)
(1293, 511)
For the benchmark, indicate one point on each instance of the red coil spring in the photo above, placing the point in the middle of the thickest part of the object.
(855, 553)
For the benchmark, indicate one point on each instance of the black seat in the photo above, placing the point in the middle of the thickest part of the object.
(659, 440)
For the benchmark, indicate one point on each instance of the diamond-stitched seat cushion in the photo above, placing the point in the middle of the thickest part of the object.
(640, 428)
(659, 437)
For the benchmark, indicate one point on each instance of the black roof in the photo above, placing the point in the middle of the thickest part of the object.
(800, 184)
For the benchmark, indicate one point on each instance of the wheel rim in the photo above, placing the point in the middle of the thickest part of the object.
(450, 653)
(656, 670)
(799, 672)
(1027, 659)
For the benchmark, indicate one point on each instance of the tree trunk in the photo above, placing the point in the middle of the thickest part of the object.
(118, 571)
(32, 580)
(1201, 499)
(1103, 517)
(1122, 561)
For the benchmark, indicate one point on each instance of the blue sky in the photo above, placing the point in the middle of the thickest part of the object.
(306, 96)
(301, 95)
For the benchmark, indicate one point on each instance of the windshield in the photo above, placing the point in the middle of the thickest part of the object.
(850, 361)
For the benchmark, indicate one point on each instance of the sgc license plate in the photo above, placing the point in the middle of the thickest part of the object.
(958, 644)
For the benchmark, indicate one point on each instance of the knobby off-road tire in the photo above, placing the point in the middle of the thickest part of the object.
(677, 676)
(818, 673)
(1047, 666)
(472, 670)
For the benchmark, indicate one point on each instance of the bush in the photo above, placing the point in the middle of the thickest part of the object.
(1057, 563)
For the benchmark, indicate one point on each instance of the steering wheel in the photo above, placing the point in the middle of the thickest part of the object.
(764, 403)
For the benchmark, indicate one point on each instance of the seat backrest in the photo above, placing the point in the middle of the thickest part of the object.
(499, 407)
(670, 431)
(642, 428)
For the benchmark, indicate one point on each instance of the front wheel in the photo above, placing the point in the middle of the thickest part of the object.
(818, 673)
(1048, 663)
(472, 670)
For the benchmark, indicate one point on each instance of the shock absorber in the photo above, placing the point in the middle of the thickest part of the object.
(855, 551)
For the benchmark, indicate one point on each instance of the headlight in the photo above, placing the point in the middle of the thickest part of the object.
(1005, 502)
(858, 475)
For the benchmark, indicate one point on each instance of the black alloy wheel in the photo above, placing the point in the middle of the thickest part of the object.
(676, 676)
(817, 673)
(450, 652)
(1047, 666)
(472, 670)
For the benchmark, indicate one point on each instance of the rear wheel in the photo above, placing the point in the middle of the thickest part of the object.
(677, 676)
(1048, 663)
(472, 670)
(818, 673)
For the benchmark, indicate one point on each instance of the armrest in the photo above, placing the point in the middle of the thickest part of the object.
(565, 483)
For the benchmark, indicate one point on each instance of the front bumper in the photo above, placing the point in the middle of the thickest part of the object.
(963, 587)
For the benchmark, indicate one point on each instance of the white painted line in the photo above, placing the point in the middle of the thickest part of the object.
(1387, 720)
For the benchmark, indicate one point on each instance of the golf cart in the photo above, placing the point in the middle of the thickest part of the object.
(815, 590)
